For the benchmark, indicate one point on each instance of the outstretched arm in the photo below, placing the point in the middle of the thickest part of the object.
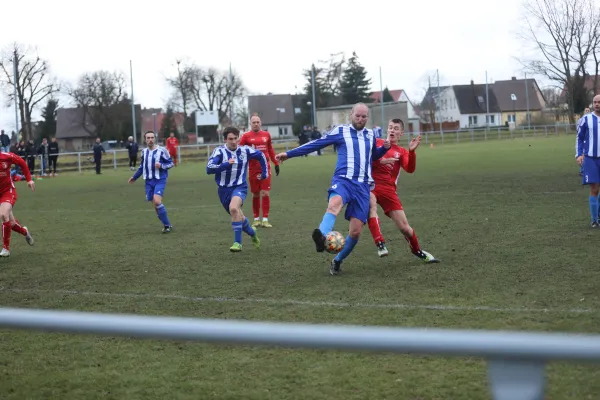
(313, 146)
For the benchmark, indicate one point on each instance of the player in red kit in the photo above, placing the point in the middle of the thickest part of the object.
(172, 143)
(385, 173)
(8, 198)
(260, 140)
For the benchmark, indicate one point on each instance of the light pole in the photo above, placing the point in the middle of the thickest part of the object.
(312, 121)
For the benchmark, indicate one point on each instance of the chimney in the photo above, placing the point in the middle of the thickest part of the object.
(472, 82)
(514, 78)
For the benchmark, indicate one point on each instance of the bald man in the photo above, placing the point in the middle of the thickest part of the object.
(352, 181)
(588, 155)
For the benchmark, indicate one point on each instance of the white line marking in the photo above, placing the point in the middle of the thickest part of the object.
(283, 302)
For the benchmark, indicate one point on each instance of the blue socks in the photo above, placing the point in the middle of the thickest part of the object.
(161, 211)
(348, 247)
(594, 208)
(237, 231)
(247, 228)
(327, 223)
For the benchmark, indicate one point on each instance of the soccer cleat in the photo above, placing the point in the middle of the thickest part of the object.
(167, 229)
(427, 257)
(236, 247)
(319, 239)
(256, 223)
(266, 224)
(382, 251)
(28, 237)
(4, 253)
(336, 267)
(255, 240)
(594, 224)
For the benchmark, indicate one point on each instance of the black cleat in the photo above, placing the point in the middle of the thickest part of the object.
(335, 267)
(594, 224)
(167, 229)
(319, 240)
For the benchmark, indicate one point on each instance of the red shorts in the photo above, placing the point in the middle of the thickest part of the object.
(388, 199)
(256, 185)
(9, 196)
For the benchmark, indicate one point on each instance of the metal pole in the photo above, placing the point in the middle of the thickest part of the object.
(133, 104)
(15, 79)
(231, 95)
(440, 105)
(381, 103)
(487, 104)
(527, 99)
(314, 102)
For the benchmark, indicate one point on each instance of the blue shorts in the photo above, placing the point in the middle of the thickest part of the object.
(591, 170)
(355, 196)
(227, 193)
(155, 186)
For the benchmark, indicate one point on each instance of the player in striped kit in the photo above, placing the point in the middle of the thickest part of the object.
(229, 164)
(154, 168)
(352, 181)
(588, 155)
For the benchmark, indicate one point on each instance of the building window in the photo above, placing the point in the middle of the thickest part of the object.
(285, 131)
(490, 119)
(472, 120)
(512, 118)
(280, 131)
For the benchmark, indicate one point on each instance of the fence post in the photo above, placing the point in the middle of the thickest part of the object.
(115, 159)
(79, 161)
(178, 154)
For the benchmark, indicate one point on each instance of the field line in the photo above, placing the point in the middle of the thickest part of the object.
(305, 303)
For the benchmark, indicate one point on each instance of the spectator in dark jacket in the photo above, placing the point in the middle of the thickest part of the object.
(4, 142)
(98, 151)
(53, 151)
(133, 149)
(30, 153)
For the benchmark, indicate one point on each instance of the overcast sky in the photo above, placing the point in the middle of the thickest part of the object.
(267, 44)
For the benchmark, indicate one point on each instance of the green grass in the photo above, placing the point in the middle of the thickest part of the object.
(508, 219)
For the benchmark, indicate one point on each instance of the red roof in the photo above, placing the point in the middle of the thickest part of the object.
(395, 95)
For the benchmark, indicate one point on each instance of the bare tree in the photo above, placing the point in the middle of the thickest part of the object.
(182, 87)
(33, 82)
(564, 34)
(331, 74)
(97, 93)
(429, 102)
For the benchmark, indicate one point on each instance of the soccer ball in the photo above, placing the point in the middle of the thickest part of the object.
(334, 242)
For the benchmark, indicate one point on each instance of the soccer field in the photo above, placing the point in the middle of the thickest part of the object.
(509, 220)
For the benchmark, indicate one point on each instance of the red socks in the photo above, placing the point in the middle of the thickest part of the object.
(18, 228)
(266, 205)
(413, 242)
(256, 206)
(6, 231)
(375, 230)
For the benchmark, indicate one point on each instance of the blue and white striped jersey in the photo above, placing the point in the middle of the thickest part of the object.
(356, 152)
(588, 136)
(230, 175)
(148, 162)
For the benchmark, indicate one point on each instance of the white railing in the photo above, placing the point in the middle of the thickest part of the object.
(516, 361)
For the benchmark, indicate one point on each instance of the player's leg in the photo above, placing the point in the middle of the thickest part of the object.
(255, 189)
(235, 210)
(375, 228)
(265, 189)
(356, 226)
(591, 177)
(22, 230)
(5, 211)
(337, 195)
(401, 222)
(155, 191)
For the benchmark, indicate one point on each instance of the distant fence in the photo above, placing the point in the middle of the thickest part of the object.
(118, 158)
(516, 361)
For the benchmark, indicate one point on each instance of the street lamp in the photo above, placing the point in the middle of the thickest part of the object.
(312, 121)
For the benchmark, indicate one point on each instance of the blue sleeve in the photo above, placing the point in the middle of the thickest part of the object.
(315, 145)
(215, 163)
(140, 169)
(582, 129)
(259, 155)
(165, 160)
(378, 152)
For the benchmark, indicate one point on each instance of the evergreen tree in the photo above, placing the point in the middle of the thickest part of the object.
(168, 124)
(355, 86)
(387, 96)
(47, 128)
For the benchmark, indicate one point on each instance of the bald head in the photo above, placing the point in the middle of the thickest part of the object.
(255, 123)
(359, 115)
(596, 104)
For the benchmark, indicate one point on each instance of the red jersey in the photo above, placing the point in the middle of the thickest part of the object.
(172, 143)
(6, 161)
(260, 140)
(387, 174)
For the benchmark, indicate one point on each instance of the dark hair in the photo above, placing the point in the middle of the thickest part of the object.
(398, 121)
(147, 132)
(231, 129)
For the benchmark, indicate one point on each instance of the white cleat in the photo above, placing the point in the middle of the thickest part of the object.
(428, 258)
(28, 237)
(4, 253)
(382, 251)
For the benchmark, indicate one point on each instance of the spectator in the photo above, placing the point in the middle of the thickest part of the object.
(4, 142)
(98, 151)
(133, 149)
(30, 153)
(53, 151)
(43, 151)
